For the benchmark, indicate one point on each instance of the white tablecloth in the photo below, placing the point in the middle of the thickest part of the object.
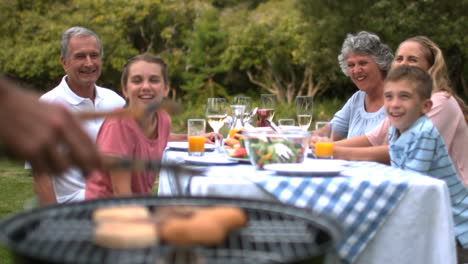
(419, 229)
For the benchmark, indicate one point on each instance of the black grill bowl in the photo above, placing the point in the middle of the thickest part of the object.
(275, 233)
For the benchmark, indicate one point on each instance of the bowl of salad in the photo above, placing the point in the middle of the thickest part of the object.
(268, 146)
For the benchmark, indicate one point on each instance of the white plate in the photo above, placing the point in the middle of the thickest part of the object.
(208, 160)
(241, 160)
(315, 168)
(183, 146)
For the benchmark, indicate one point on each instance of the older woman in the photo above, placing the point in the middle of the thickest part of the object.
(446, 113)
(366, 60)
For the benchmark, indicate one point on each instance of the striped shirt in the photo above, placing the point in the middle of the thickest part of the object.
(422, 150)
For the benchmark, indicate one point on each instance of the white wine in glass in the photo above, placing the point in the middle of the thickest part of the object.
(304, 108)
(216, 112)
(304, 121)
(216, 122)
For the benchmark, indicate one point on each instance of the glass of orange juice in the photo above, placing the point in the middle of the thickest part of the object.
(196, 136)
(324, 140)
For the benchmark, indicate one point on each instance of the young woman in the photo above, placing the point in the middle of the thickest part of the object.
(144, 81)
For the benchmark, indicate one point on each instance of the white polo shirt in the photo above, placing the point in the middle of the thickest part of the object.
(70, 186)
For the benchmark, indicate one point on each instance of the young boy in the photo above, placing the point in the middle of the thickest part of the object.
(414, 142)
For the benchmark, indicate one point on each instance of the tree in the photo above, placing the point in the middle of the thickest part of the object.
(286, 47)
(202, 63)
(268, 43)
(34, 29)
(393, 21)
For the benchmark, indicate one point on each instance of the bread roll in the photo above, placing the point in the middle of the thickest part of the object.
(230, 217)
(121, 213)
(197, 230)
(205, 226)
(121, 235)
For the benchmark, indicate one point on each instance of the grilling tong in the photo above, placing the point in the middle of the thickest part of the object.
(167, 105)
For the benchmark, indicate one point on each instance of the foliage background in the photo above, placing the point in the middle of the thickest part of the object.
(227, 47)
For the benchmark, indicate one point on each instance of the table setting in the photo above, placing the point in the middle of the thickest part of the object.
(386, 213)
(375, 203)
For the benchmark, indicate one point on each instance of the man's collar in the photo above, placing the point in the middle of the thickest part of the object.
(72, 97)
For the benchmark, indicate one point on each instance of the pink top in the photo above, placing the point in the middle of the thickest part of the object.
(123, 138)
(449, 120)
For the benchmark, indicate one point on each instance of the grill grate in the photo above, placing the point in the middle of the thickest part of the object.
(276, 233)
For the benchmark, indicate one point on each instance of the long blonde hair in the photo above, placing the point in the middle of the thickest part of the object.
(438, 70)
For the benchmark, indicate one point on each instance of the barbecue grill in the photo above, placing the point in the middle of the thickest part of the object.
(275, 233)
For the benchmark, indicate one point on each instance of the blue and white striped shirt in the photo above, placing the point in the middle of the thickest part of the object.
(422, 150)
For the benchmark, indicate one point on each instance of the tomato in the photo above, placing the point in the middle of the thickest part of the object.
(239, 153)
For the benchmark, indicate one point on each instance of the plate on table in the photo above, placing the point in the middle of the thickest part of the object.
(183, 146)
(312, 168)
(240, 160)
(209, 160)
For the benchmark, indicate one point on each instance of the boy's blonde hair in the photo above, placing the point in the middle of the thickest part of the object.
(419, 78)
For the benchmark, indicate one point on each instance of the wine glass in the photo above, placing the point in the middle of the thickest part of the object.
(216, 112)
(244, 100)
(304, 108)
(267, 109)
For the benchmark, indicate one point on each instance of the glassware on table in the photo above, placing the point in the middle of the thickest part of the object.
(237, 119)
(196, 136)
(304, 109)
(216, 112)
(268, 147)
(267, 109)
(323, 135)
(247, 102)
(288, 122)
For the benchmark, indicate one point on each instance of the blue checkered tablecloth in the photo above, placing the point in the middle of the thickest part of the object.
(360, 198)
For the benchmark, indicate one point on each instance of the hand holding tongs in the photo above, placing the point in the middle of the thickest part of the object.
(169, 106)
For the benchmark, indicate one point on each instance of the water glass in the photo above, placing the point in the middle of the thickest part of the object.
(244, 100)
(286, 122)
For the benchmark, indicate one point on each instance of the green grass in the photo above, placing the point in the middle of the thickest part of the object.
(16, 189)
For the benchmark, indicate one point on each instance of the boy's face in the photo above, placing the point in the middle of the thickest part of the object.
(403, 104)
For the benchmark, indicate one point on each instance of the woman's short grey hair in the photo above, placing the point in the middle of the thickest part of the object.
(369, 44)
(73, 32)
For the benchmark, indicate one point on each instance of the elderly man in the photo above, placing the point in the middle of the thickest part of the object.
(81, 58)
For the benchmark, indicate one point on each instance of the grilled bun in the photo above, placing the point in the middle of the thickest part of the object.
(121, 235)
(205, 226)
(230, 217)
(197, 230)
(121, 213)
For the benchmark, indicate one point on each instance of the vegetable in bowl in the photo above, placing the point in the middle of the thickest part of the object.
(268, 147)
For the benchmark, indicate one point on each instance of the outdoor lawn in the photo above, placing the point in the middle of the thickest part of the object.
(15, 192)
